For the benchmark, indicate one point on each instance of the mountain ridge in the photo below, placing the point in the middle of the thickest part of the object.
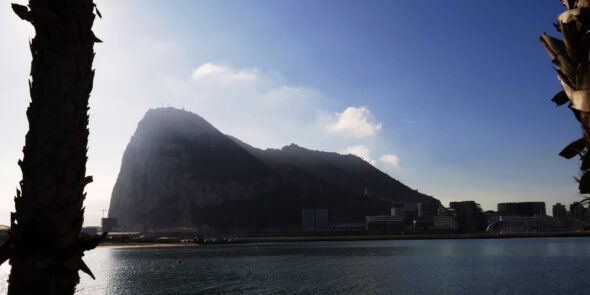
(179, 170)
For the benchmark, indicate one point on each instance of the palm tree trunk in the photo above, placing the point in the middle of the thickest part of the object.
(46, 247)
(570, 56)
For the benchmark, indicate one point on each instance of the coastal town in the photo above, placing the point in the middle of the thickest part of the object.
(459, 219)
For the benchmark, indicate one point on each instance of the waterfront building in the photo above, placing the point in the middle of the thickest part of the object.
(404, 210)
(444, 222)
(522, 208)
(179, 232)
(314, 219)
(109, 224)
(348, 227)
(577, 211)
(122, 236)
(470, 218)
(426, 212)
(508, 209)
(384, 224)
(538, 223)
(491, 216)
(559, 211)
(532, 208)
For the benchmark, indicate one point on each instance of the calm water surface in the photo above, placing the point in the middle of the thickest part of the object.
(505, 266)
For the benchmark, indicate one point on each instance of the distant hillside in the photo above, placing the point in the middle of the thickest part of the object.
(344, 170)
(178, 170)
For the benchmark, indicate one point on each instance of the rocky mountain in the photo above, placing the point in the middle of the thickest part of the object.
(178, 170)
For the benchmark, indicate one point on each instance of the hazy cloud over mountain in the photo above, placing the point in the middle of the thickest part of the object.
(250, 102)
(360, 151)
(390, 160)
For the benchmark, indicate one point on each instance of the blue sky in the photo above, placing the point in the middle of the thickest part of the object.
(449, 97)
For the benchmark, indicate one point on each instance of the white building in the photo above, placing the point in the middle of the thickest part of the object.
(445, 220)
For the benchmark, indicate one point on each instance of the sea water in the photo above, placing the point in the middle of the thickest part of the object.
(484, 266)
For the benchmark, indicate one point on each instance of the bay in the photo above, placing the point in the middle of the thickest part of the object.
(484, 266)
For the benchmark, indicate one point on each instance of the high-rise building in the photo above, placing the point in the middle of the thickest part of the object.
(559, 211)
(532, 208)
(522, 209)
(577, 211)
(508, 209)
(470, 218)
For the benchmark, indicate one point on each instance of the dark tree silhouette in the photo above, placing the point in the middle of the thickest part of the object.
(46, 247)
(572, 63)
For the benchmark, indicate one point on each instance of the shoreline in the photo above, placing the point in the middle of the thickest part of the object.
(243, 240)
(412, 237)
(144, 245)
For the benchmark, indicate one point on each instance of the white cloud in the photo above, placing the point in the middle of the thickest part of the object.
(360, 151)
(249, 103)
(356, 122)
(390, 159)
(227, 74)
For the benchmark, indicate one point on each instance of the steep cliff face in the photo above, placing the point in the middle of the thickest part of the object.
(177, 161)
(178, 170)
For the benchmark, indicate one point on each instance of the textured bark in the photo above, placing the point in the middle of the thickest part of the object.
(571, 57)
(46, 246)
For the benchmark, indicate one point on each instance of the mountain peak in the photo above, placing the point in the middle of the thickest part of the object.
(166, 121)
(179, 170)
(292, 147)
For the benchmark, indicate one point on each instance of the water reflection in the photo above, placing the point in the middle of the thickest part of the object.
(510, 266)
